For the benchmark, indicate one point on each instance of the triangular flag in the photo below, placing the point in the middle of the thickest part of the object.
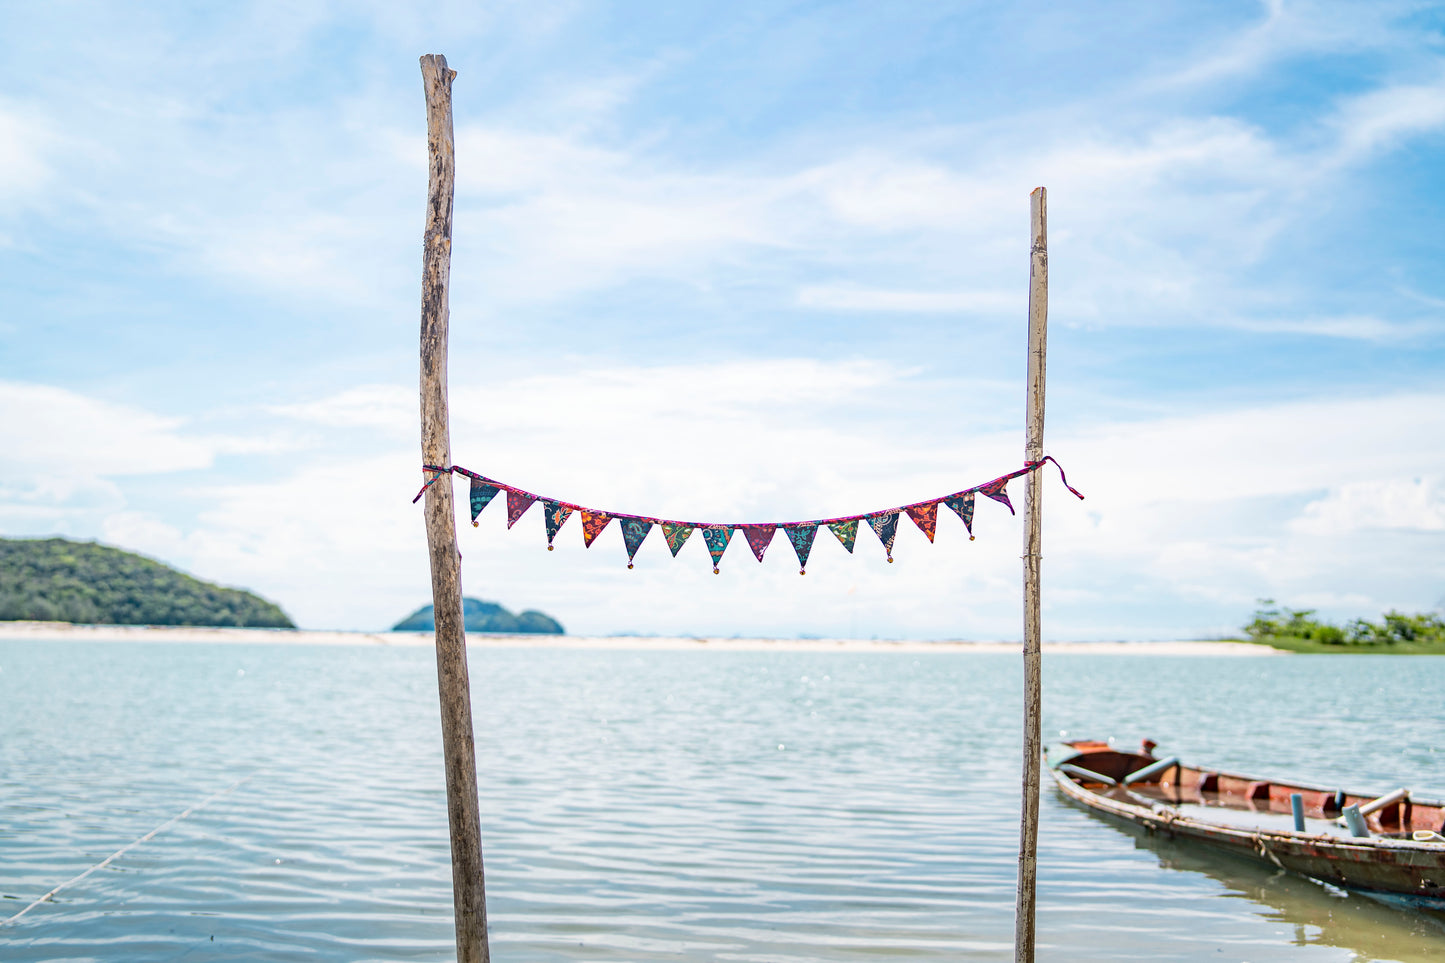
(676, 533)
(556, 514)
(592, 525)
(634, 530)
(482, 493)
(759, 538)
(995, 490)
(963, 506)
(517, 504)
(885, 526)
(925, 517)
(847, 532)
(802, 538)
(717, 537)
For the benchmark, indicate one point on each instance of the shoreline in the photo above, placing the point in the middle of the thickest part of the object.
(66, 632)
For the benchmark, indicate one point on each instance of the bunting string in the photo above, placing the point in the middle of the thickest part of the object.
(717, 536)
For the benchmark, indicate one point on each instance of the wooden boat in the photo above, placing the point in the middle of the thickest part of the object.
(1390, 845)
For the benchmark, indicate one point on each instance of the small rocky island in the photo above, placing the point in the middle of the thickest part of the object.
(479, 616)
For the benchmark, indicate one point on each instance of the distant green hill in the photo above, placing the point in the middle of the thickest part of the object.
(54, 579)
(479, 616)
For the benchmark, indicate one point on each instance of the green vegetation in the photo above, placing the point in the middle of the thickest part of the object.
(1298, 631)
(479, 616)
(53, 579)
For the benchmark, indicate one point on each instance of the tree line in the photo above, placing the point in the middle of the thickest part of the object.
(55, 579)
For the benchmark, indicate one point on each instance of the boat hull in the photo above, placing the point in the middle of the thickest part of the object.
(1380, 863)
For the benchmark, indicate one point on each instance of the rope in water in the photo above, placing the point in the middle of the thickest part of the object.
(128, 847)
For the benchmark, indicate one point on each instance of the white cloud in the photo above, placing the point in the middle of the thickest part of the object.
(1382, 118)
(1361, 327)
(1289, 28)
(24, 144)
(1404, 504)
(387, 407)
(847, 297)
(44, 427)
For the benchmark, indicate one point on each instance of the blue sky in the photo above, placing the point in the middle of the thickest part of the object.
(764, 262)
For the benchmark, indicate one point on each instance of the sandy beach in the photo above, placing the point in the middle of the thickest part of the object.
(65, 632)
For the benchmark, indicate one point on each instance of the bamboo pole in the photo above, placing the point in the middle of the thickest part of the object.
(1033, 541)
(459, 752)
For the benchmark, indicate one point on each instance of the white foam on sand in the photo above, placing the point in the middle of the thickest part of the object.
(66, 632)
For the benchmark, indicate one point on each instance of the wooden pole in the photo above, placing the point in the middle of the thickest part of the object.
(468, 887)
(1033, 542)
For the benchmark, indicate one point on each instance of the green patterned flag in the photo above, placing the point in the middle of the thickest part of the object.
(676, 534)
(802, 538)
(847, 533)
(634, 530)
(717, 537)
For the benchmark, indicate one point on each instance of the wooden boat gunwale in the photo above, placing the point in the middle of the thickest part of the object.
(1378, 863)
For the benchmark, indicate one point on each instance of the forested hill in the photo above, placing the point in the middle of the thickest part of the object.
(54, 579)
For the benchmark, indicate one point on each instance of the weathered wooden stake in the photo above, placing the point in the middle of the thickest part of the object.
(1033, 541)
(468, 887)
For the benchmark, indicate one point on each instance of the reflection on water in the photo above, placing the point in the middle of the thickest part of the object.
(1319, 913)
(770, 807)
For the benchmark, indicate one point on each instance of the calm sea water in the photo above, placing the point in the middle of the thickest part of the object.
(770, 807)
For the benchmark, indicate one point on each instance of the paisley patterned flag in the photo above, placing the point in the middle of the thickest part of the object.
(802, 538)
(925, 517)
(885, 526)
(634, 530)
(963, 506)
(759, 538)
(676, 534)
(717, 537)
(592, 525)
(517, 504)
(802, 535)
(847, 532)
(556, 515)
(996, 490)
(482, 493)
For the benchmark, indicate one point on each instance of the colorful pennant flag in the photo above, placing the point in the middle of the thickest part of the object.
(996, 490)
(885, 526)
(556, 515)
(592, 525)
(634, 530)
(759, 538)
(802, 538)
(676, 534)
(925, 516)
(517, 504)
(481, 494)
(717, 538)
(962, 506)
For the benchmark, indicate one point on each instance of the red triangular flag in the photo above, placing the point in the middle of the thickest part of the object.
(517, 504)
(925, 517)
(592, 525)
(759, 538)
(996, 490)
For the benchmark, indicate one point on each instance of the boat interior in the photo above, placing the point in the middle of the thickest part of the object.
(1244, 802)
